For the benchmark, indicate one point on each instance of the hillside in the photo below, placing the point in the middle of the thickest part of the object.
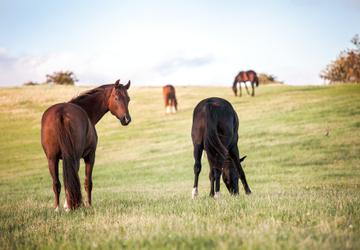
(303, 166)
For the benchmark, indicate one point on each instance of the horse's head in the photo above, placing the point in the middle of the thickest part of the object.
(231, 177)
(119, 101)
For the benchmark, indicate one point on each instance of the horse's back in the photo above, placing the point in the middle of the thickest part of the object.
(245, 76)
(65, 117)
(217, 111)
(251, 75)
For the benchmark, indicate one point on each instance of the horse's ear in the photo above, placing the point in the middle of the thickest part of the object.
(127, 86)
(243, 158)
(117, 83)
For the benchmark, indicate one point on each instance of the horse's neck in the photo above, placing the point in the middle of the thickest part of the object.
(96, 105)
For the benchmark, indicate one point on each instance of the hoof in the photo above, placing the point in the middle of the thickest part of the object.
(248, 192)
(217, 195)
(194, 193)
(57, 209)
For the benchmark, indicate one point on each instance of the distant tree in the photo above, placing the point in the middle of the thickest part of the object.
(266, 78)
(346, 68)
(62, 78)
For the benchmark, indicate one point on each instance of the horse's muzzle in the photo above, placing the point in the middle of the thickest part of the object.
(125, 120)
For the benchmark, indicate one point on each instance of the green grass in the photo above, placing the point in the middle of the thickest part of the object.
(306, 185)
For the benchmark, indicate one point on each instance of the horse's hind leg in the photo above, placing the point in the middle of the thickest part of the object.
(212, 182)
(167, 105)
(198, 150)
(217, 175)
(54, 172)
(234, 88)
(172, 101)
(89, 165)
(247, 90)
(240, 94)
(234, 154)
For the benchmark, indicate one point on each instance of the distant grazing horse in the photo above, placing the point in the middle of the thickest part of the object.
(215, 129)
(170, 99)
(246, 76)
(68, 133)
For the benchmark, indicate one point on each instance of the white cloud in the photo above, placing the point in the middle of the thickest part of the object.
(143, 67)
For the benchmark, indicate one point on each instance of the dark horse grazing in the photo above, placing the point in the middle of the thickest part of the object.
(68, 133)
(246, 76)
(215, 129)
(170, 99)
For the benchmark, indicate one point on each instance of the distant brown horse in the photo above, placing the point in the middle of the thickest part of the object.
(246, 76)
(68, 133)
(170, 99)
(215, 130)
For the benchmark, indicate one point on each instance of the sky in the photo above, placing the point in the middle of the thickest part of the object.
(185, 42)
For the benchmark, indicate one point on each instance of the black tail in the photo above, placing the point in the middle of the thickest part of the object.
(215, 150)
(256, 81)
(70, 163)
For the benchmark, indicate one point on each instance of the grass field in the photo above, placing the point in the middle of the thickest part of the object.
(303, 166)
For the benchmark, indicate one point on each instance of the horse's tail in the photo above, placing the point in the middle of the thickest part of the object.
(215, 150)
(256, 79)
(70, 162)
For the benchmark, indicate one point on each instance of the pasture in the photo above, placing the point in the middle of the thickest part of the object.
(303, 166)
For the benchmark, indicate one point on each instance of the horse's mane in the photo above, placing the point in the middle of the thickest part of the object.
(90, 93)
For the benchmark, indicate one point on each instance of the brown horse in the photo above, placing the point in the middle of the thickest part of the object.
(215, 129)
(170, 99)
(68, 133)
(246, 76)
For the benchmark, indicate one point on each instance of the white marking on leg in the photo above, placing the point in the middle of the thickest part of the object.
(195, 192)
(217, 195)
(57, 209)
(168, 110)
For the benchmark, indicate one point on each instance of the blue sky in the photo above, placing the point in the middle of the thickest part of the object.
(178, 42)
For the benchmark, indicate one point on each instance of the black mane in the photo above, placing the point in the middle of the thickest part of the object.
(85, 95)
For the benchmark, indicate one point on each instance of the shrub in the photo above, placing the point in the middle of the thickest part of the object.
(346, 68)
(62, 78)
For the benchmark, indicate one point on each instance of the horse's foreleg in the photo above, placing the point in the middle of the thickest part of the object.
(234, 154)
(240, 94)
(253, 89)
(198, 149)
(54, 172)
(89, 164)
